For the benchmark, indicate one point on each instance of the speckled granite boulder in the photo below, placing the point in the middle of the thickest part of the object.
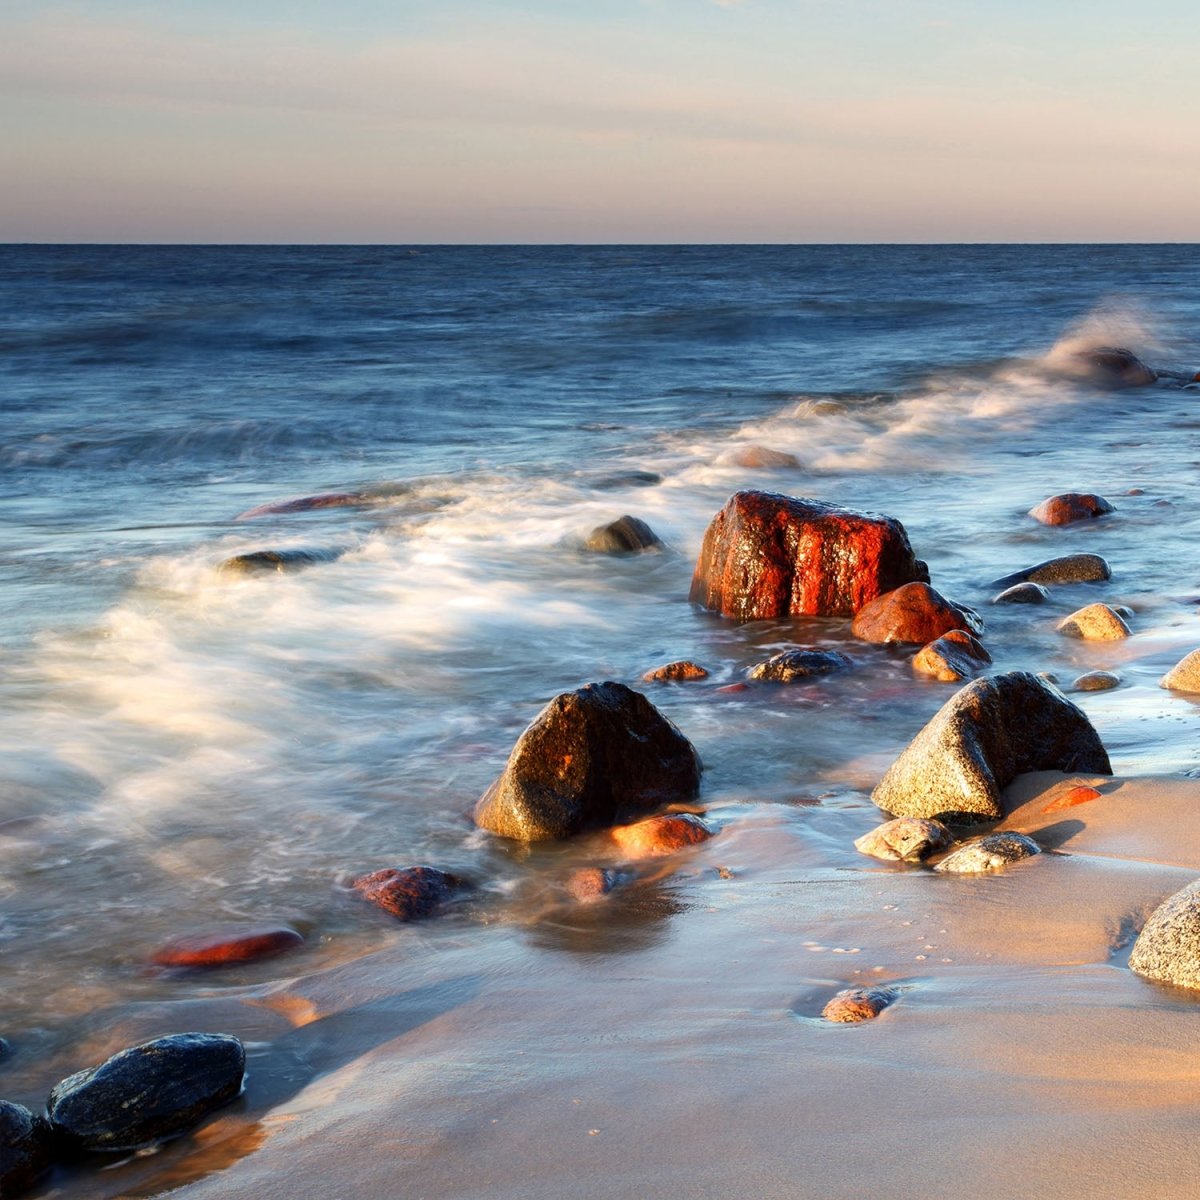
(980, 740)
(1022, 593)
(1070, 568)
(592, 758)
(906, 839)
(858, 1004)
(407, 893)
(627, 535)
(147, 1093)
(1095, 623)
(1069, 507)
(26, 1149)
(789, 665)
(992, 852)
(1168, 948)
(953, 657)
(1184, 676)
(913, 613)
(766, 555)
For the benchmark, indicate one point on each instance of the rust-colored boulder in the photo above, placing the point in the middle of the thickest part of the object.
(675, 672)
(913, 613)
(953, 657)
(595, 757)
(656, 837)
(766, 555)
(228, 946)
(858, 1004)
(1069, 507)
(407, 892)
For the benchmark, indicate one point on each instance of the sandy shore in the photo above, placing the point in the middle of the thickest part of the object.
(1022, 1058)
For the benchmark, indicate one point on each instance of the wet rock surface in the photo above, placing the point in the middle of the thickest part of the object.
(147, 1093)
(858, 1004)
(906, 839)
(627, 535)
(1022, 593)
(26, 1148)
(228, 946)
(1112, 367)
(1184, 676)
(1071, 797)
(1095, 623)
(762, 458)
(408, 893)
(982, 738)
(914, 613)
(789, 665)
(595, 757)
(589, 885)
(306, 504)
(656, 837)
(675, 672)
(1069, 507)
(992, 852)
(266, 562)
(953, 657)
(766, 555)
(1168, 948)
(1069, 568)
(1097, 681)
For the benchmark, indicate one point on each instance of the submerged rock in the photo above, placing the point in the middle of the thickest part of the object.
(1184, 676)
(676, 672)
(906, 839)
(1069, 507)
(1111, 367)
(147, 1093)
(988, 853)
(789, 665)
(627, 535)
(407, 892)
(766, 555)
(1097, 681)
(980, 740)
(1095, 623)
(1022, 593)
(659, 836)
(858, 1004)
(1071, 797)
(912, 613)
(228, 946)
(761, 458)
(262, 562)
(26, 1148)
(591, 758)
(588, 885)
(1070, 568)
(306, 504)
(1168, 948)
(953, 657)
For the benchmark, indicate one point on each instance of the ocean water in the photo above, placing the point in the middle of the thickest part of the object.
(183, 747)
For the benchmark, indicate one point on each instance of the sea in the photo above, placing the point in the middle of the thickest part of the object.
(185, 746)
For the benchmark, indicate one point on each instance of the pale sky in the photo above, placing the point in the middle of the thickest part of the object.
(605, 121)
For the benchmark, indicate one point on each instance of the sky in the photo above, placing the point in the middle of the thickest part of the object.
(367, 121)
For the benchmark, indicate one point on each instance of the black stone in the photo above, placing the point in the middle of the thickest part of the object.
(26, 1148)
(790, 665)
(260, 562)
(1022, 593)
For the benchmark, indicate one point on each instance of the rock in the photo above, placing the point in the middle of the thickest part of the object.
(228, 946)
(627, 535)
(592, 758)
(1095, 623)
(761, 458)
(1112, 367)
(1184, 676)
(1123, 611)
(1096, 681)
(789, 665)
(1168, 948)
(858, 1004)
(26, 1148)
(1022, 593)
(988, 853)
(659, 836)
(1069, 507)
(953, 657)
(981, 739)
(675, 672)
(731, 689)
(306, 504)
(408, 893)
(588, 885)
(906, 839)
(1070, 568)
(766, 555)
(147, 1093)
(912, 613)
(1072, 797)
(261, 562)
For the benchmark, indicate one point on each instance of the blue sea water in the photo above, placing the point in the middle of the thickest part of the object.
(180, 741)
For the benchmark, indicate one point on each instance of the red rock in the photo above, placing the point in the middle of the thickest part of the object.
(731, 688)
(766, 555)
(407, 892)
(590, 884)
(228, 946)
(913, 613)
(675, 672)
(1069, 507)
(304, 504)
(659, 836)
(858, 1004)
(1076, 795)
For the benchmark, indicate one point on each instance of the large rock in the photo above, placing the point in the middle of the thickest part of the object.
(1070, 568)
(595, 757)
(912, 613)
(980, 740)
(1168, 948)
(26, 1151)
(626, 535)
(1069, 507)
(147, 1093)
(766, 555)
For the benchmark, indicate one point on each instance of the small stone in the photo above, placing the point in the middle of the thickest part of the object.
(789, 665)
(26, 1149)
(858, 1004)
(588, 885)
(1069, 507)
(953, 657)
(988, 853)
(1072, 797)
(1070, 568)
(228, 946)
(628, 535)
(1022, 593)
(1184, 676)
(408, 893)
(906, 839)
(1097, 681)
(266, 562)
(676, 672)
(659, 836)
(1095, 623)
(1168, 948)
(912, 613)
(147, 1093)
(1111, 367)
(762, 458)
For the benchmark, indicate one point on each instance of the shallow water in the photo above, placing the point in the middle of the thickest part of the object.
(184, 748)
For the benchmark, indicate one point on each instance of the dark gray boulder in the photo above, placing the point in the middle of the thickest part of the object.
(26, 1148)
(1168, 948)
(628, 535)
(599, 756)
(1070, 568)
(981, 739)
(789, 665)
(147, 1093)
(1112, 367)
(1022, 593)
